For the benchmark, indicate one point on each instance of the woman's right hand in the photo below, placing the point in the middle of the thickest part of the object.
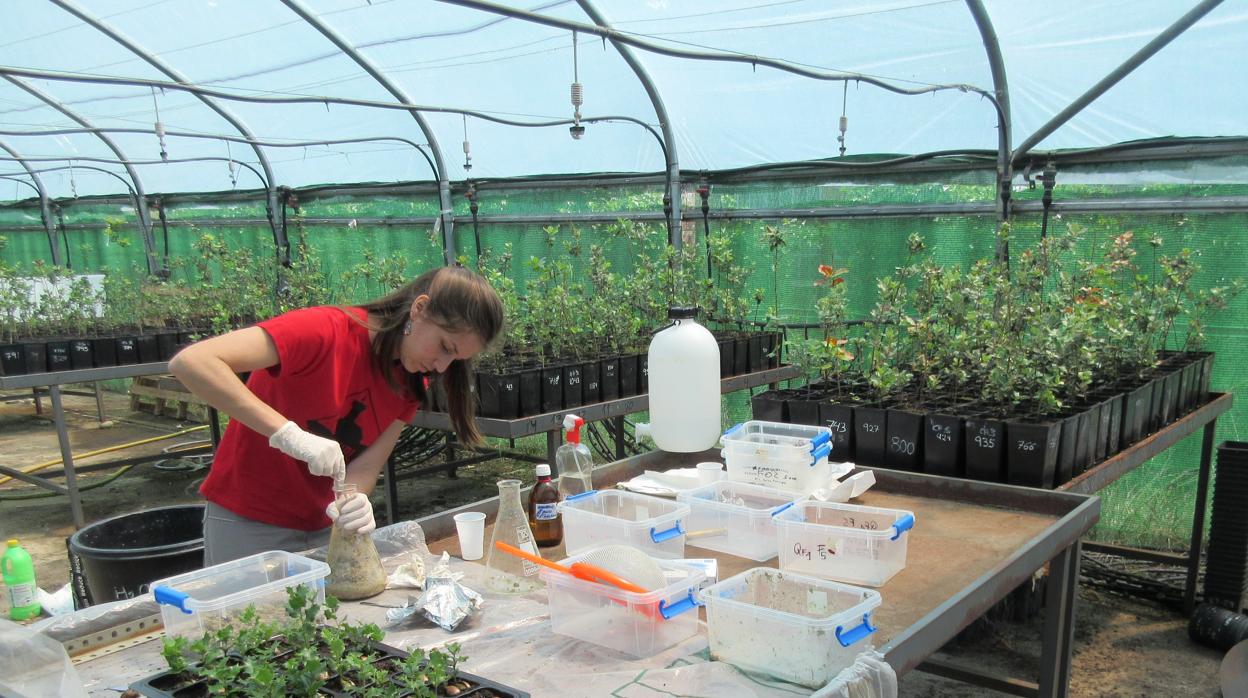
(323, 456)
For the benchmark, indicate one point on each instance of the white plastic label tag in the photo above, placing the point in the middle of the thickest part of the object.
(21, 595)
(525, 539)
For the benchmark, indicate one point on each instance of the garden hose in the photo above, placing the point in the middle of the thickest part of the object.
(48, 464)
(42, 495)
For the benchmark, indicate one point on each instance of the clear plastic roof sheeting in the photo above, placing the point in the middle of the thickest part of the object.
(443, 55)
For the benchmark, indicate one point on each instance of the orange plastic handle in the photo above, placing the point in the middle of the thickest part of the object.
(580, 570)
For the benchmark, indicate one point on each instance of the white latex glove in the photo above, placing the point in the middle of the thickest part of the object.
(354, 513)
(323, 456)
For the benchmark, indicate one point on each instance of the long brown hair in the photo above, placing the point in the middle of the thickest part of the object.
(460, 300)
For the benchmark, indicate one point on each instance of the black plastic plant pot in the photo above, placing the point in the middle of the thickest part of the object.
(166, 345)
(740, 355)
(610, 386)
(59, 356)
(756, 353)
(839, 418)
(186, 337)
(36, 356)
(643, 373)
(1112, 408)
(870, 435)
(1206, 377)
(127, 350)
(769, 405)
(149, 349)
(530, 391)
(499, 394)
(591, 382)
(777, 345)
(1066, 450)
(904, 447)
(1103, 419)
(552, 388)
(1085, 435)
(12, 360)
(1031, 452)
(1158, 399)
(985, 448)
(573, 385)
(104, 349)
(628, 375)
(942, 443)
(767, 344)
(1192, 381)
(1170, 397)
(804, 407)
(725, 357)
(80, 354)
(1135, 413)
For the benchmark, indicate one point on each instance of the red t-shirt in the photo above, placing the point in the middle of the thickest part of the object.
(326, 383)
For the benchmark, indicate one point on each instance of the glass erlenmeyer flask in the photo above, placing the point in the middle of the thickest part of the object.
(505, 573)
(355, 570)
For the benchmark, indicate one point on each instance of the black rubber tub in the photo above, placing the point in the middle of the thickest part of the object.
(121, 556)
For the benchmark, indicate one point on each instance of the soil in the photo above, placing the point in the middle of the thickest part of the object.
(1124, 646)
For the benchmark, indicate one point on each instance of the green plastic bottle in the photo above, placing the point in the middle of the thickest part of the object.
(19, 581)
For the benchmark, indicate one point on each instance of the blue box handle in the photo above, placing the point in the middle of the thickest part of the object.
(819, 440)
(582, 495)
(820, 452)
(171, 597)
(733, 428)
(669, 612)
(847, 638)
(900, 526)
(781, 509)
(659, 536)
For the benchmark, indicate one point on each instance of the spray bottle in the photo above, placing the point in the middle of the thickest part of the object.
(574, 460)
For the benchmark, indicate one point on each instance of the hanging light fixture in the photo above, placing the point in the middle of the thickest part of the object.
(844, 119)
(578, 96)
(467, 147)
(160, 129)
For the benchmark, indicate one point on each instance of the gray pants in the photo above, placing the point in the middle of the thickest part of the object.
(228, 536)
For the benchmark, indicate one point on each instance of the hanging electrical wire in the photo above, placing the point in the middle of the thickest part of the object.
(578, 96)
(160, 128)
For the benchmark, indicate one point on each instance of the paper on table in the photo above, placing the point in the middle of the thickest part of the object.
(847, 489)
(663, 484)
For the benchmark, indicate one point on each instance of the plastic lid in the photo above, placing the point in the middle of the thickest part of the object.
(682, 312)
(572, 424)
(543, 470)
(12, 542)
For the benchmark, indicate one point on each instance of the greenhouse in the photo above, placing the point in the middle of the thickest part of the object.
(595, 347)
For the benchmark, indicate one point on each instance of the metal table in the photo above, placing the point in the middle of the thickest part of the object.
(552, 424)
(53, 382)
(1109, 470)
(972, 544)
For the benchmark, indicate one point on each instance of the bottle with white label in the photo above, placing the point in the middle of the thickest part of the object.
(544, 516)
(504, 572)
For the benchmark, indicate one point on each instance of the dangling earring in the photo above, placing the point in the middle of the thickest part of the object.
(407, 329)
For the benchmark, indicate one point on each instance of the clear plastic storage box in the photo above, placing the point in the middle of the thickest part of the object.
(204, 600)
(639, 625)
(791, 626)
(845, 542)
(655, 526)
(792, 457)
(735, 518)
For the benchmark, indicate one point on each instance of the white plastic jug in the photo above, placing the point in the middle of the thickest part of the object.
(684, 385)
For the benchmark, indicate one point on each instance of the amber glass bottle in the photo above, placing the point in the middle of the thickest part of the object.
(544, 517)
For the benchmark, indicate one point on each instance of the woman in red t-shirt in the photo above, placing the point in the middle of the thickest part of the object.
(330, 390)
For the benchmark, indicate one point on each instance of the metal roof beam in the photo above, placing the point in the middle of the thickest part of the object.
(996, 64)
(672, 214)
(44, 211)
(145, 220)
(207, 158)
(1102, 86)
(444, 186)
(279, 232)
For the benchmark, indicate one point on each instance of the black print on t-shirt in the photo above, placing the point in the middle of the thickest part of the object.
(347, 432)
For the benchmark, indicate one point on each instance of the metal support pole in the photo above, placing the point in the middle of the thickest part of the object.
(450, 455)
(214, 427)
(392, 491)
(1059, 623)
(1198, 518)
(99, 401)
(619, 437)
(67, 456)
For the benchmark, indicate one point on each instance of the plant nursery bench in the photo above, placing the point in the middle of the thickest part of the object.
(972, 543)
(53, 382)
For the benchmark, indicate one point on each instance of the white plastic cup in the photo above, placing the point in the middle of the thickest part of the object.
(470, 527)
(710, 472)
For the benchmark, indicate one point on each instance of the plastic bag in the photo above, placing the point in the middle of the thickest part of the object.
(868, 677)
(34, 665)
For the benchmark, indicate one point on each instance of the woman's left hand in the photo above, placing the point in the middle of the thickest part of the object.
(354, 514)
